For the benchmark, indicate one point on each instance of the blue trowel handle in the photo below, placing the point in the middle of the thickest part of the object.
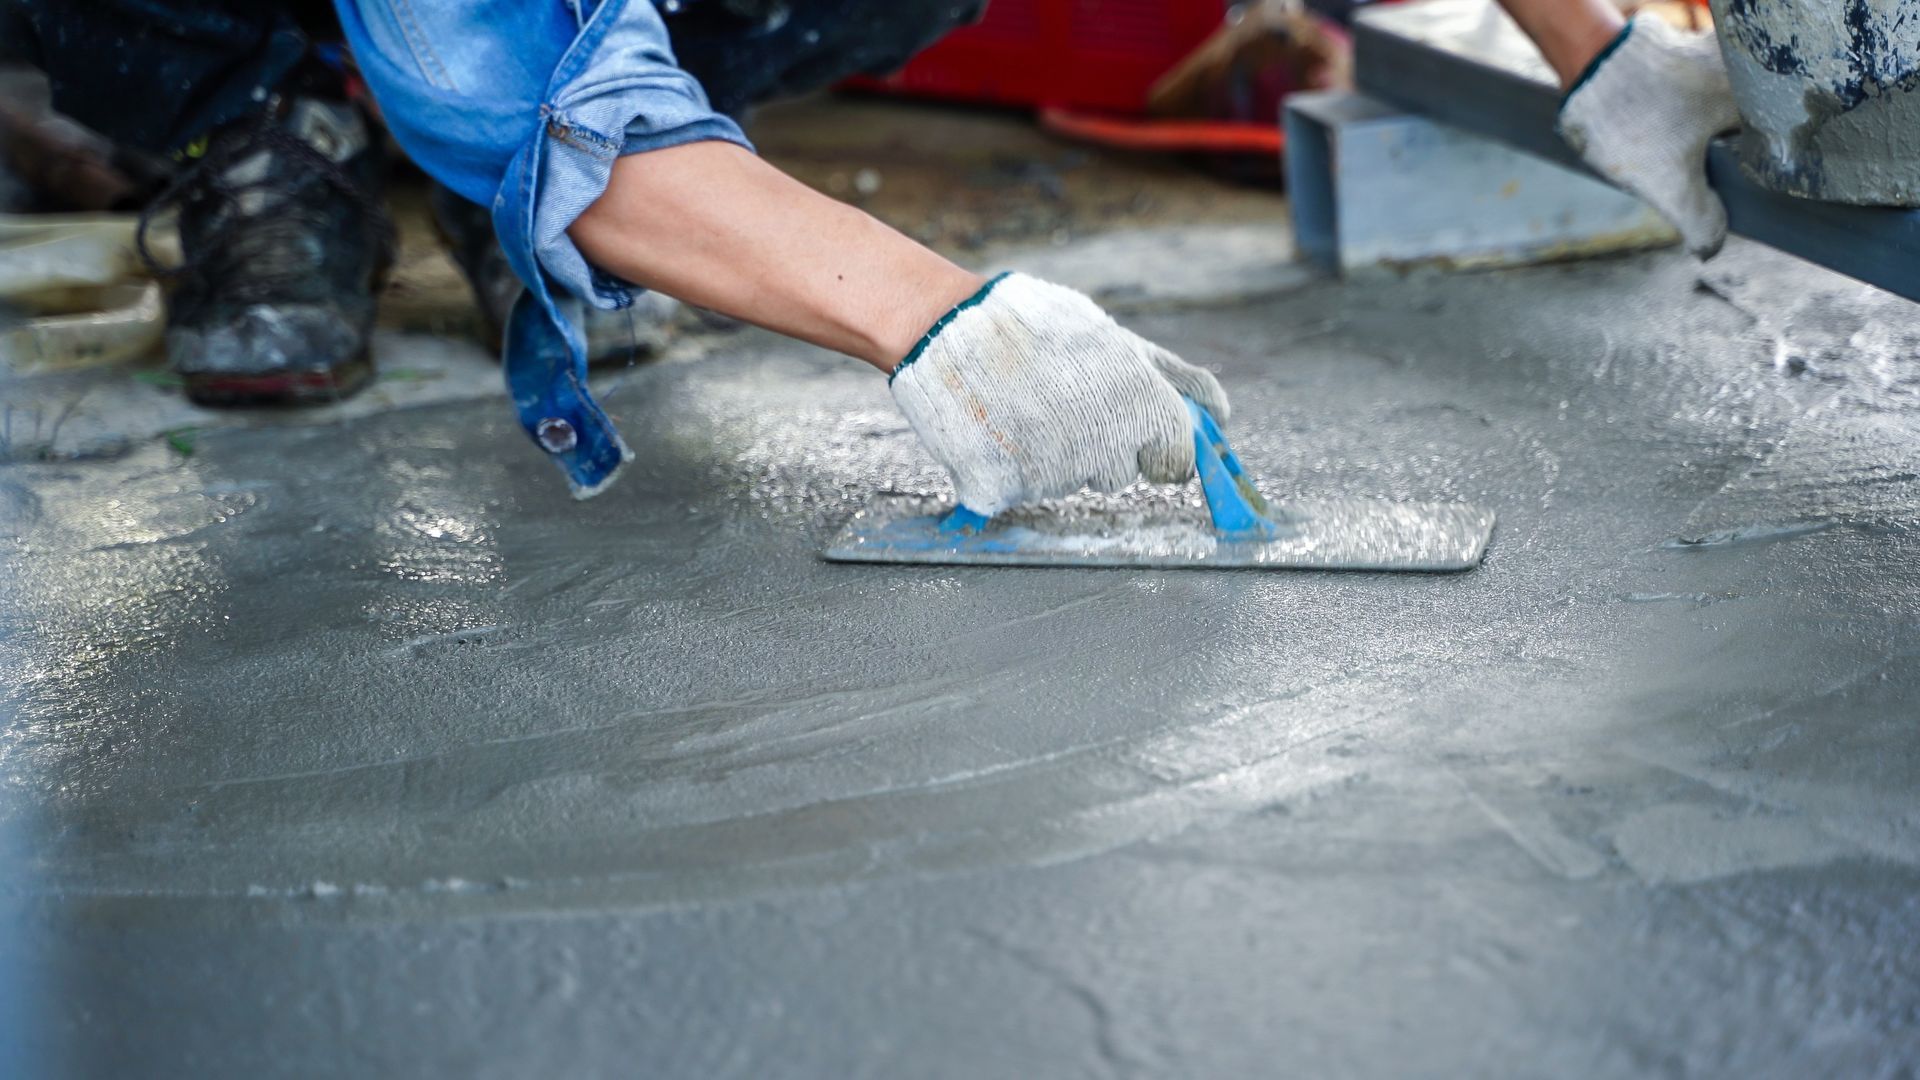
(1239, 513)
(962, 520)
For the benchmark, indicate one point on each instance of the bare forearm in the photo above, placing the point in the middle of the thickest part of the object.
(713, 225)
(1570, 33)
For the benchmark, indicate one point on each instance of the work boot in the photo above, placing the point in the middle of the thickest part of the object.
(285, 248)
(638, 330)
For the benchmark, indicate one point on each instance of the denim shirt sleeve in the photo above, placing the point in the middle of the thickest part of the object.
(466, 84)
(524, 105)
(628, 97)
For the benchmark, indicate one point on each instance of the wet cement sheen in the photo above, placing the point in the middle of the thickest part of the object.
(366, 749)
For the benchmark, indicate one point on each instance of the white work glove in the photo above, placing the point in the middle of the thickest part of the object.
(1642, 116)
(1029, 391)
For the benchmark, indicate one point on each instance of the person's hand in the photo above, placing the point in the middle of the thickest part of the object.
(1642, 116)
(1029, 391)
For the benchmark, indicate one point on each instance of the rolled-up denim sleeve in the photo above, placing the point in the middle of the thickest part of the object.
(466, 85)
(628, 97)
(525, 105)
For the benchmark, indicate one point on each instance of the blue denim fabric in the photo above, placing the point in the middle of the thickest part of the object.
(524, 105)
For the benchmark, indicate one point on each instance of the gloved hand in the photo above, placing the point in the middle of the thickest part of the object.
(1642, 116)
(1029, 391)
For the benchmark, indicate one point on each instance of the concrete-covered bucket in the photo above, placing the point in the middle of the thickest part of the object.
(1830, 91)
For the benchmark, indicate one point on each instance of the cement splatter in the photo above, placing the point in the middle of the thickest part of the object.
(1828, 93)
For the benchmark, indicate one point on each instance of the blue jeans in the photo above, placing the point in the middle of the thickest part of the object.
(524, 105)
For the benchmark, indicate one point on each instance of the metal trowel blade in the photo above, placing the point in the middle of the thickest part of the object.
(1321, 534)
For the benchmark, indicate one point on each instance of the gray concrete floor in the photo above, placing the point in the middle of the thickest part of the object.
(361, 749)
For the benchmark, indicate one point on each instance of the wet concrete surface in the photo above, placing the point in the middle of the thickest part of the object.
(364, 749)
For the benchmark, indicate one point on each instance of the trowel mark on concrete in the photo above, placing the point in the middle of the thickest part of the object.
(1067, 805)
(1109, 1035)
(1530, 826)
(1848, 464)
(19, 507)
(1804, 756)
(427, 643)
(1681, 843)
(1750, 534)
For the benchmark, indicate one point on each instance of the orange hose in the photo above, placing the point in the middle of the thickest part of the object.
(1167, 136)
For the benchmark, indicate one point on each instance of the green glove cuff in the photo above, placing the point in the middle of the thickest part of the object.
(934, 331)
(1593, 65)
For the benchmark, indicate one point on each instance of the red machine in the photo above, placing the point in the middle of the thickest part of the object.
(1080, 55)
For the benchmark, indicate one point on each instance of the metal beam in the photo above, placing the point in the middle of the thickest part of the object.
(1462, 63)
(1372, 185)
